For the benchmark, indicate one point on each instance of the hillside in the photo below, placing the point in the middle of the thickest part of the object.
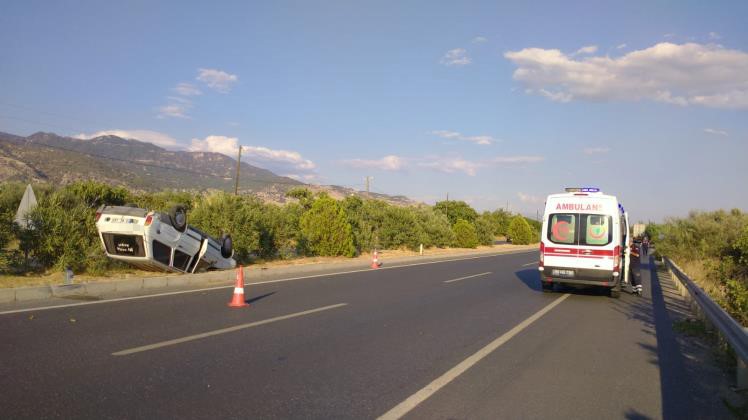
(140, 166)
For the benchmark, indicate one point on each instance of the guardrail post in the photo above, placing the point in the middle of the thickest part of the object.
(741, 371)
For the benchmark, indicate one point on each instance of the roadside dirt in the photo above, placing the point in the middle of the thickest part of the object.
(48, 278)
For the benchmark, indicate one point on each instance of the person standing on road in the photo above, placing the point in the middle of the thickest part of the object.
(645, 246)
(636, 286)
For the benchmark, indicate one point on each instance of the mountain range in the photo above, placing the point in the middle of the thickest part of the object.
(141, 166)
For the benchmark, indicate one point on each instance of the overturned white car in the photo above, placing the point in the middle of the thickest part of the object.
(160, 241)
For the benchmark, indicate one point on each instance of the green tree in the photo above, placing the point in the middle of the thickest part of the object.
(484, 230)
(326, 228)
(400, 228)
(164, 200)
(303, 195)
(499, 221)
(465, 236)
(435, 227)
(520, 231)
(456, 210)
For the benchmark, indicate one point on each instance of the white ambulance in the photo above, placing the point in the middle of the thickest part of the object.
(584, 241)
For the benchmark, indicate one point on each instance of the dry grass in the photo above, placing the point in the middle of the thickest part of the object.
(697, 271)
(49, 278)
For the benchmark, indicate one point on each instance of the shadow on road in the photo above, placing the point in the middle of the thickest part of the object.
(256, 298)
(531, 278)
(688, 388)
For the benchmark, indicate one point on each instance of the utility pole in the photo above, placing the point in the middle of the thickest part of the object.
(507, 206)
(368, 178)
(447, 206)
(238, 165)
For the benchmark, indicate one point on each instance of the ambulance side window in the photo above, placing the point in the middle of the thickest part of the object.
(562, 228)
(596, 229)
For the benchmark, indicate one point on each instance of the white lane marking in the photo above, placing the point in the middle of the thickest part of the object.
(467, 277)
(411, 402)
(205, 289)
(528, 264)
(222, 331)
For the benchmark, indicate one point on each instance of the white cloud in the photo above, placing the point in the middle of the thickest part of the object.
(714, 36)
(716, 132)
(387, 163)
(456, 57)
(176, 108)
(621, 46)
(516, 159)
(263, 155)
(218, 144)
(308, 178)
(451, 165)
(217, 80)
(446, 164)
(479, 40)
(589, 49)
(453, 135)
(159, 139)
(527, 198)
(685, 74)
(187, 89)
(596, 150)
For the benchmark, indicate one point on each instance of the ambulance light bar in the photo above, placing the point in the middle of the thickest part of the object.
(583, 189)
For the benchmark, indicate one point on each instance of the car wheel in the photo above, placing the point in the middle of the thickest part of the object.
(227, 246)
(178, 218)
(547, 288)
(615, 292)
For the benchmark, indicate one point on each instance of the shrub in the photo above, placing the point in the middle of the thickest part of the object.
(326, 228)
(240, 216)
(61, 228)
(719, 241)
(400, 228)
(435, 227)
(465, 236)
(484, 230)
(456, 210)
(520, 231)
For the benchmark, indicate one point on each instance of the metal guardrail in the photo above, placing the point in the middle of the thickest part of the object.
(734, 333)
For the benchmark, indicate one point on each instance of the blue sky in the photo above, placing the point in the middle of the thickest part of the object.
(491, 102)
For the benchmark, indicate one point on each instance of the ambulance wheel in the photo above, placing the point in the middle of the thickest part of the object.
(547, 288)
(227, 248)
(178, 218)
(615, 292)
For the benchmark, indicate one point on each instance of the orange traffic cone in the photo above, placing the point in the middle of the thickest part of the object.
(375, 263)
(238, 300)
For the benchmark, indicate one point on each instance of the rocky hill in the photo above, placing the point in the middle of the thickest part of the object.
(140, 166)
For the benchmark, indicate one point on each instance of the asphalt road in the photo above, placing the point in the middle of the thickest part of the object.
(463, 339)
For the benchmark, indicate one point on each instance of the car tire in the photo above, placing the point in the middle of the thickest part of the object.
(615, 291)
(227, 246)
(178, 218)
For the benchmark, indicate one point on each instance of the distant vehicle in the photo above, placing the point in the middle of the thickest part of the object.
(157, 241)
(584, 241)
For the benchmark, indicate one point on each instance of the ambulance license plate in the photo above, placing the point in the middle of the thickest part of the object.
(562, 273)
